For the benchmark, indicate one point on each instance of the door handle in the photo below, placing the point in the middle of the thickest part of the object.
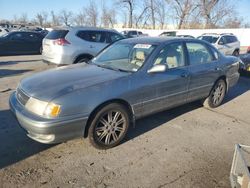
(184, 75)
(217, 68)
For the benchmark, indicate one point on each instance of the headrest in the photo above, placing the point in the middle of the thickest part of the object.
(140, 55)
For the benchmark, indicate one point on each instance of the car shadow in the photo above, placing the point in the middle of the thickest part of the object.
(15, 145)
(153, 121)
(4, 63)
(9, 72)
(242, 87)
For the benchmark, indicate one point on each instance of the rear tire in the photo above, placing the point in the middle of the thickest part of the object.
(216, 95)
(109, 126)
(82, 60)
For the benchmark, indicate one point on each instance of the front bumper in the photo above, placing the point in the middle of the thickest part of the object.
(44, 130)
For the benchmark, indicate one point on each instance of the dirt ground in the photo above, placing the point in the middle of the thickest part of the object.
(188, 146)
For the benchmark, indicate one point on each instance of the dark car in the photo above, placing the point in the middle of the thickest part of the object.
(185, 36)
(168, 34)
(246, 61)
(128, 80)
(133, 34)
(21, 42)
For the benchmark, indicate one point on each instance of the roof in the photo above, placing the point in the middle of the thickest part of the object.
(156, 40)
(216, 34)
(83, 28)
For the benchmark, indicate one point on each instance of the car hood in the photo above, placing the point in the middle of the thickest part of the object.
(54, 83)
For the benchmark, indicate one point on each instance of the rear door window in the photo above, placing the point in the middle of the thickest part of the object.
(113, 37)
(56, 34)
(228, 39)
(93, 36)
(32, 37)
(17, 36)
(222, 40)
(198, 53)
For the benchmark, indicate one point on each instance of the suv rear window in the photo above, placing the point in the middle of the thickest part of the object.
(57, 34)
(92, 36)
(210, 39)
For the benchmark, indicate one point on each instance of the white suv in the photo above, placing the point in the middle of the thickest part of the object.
(227, 43)
(76, 45)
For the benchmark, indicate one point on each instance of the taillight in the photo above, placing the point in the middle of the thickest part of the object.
(61, 42)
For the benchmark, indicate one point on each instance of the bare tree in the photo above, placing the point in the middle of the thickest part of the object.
(80, 18)
(23, 18)
(108, 17)
(161, 12)
(125, 18)
(15, 19)
(92, 14)
(216, 12)
(130, 5)
(152, 11)
(232, 22)
(55, 20)
(207, 7)
(183, 9)
(41, 18)
(66, 17)
(144, 15)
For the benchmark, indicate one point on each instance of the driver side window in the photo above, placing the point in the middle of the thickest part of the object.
(16, 36)
(172, 55)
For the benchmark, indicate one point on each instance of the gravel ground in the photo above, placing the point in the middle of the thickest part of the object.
(188, 146)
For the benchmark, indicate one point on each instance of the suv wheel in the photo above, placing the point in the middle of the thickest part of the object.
(82, 60)
(236, 53)
(109, 126)
(216, 95)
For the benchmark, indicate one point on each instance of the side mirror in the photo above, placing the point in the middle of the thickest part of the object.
(157, 69)
(221, 43)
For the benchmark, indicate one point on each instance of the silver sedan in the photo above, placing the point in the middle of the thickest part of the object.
(128, 80)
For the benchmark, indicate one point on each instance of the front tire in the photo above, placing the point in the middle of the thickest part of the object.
(109, 126)
(216, 95)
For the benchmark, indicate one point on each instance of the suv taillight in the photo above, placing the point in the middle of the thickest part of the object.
(61, 42)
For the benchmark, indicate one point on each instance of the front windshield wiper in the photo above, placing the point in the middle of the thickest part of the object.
(112, 68)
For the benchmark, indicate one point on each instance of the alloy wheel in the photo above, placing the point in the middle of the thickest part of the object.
(110, 127)
(218, 93)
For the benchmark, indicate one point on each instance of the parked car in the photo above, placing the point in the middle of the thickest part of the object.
(246, 62)
(185, 36)
(227, 43)
(21, 42)
(133, 34)
(168, 34)
(76, 45)
(3, 31)
(128, 80)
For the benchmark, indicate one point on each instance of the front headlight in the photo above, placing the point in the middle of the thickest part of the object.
(43, 108)
(52, 110)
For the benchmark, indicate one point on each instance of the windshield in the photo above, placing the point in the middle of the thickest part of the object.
(124, 57)
(210, 39)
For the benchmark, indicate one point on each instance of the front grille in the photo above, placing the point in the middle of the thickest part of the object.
(22, 97)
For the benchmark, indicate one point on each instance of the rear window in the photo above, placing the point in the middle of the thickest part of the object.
(56, 34)
(92, 36)
(210, 39)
